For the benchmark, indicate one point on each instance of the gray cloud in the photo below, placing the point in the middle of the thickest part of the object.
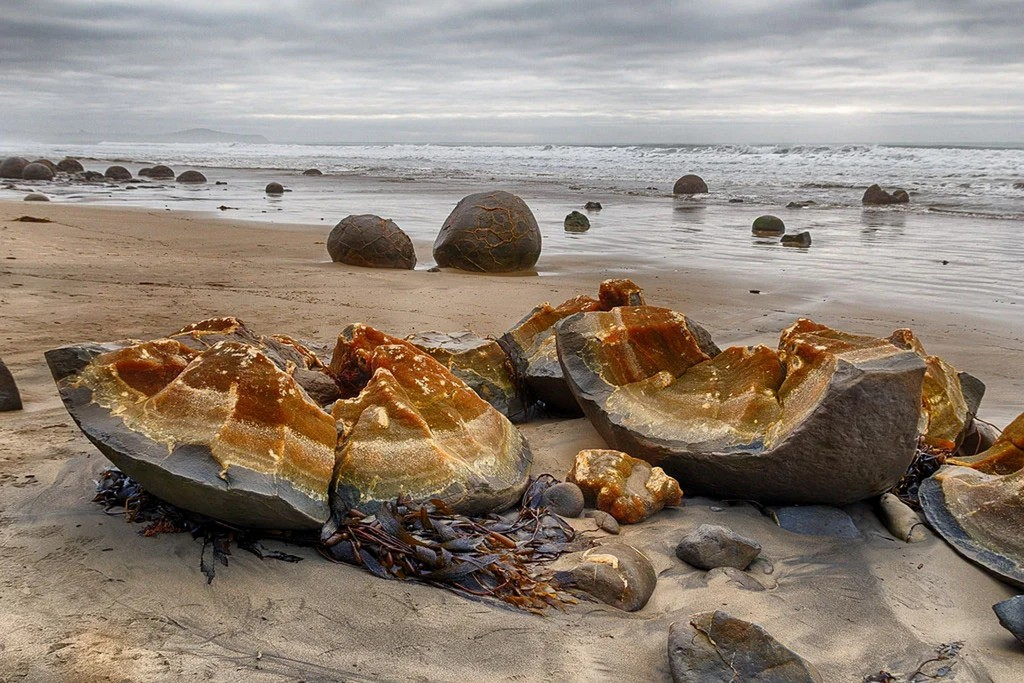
(518, 70)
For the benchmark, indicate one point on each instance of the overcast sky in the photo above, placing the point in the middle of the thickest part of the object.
(518, 71)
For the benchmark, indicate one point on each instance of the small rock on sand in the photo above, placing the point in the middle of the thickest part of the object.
(564, 499)
(1011, 616)
(900, 519)
(604, 521)
(616, 574)
(711, 546)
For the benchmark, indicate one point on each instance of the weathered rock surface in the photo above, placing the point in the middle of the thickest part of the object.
(37, 171)
(800, 239)
(118, 173)
(10, 397)
(977, 504)
(223, 431)
(877, 196)
(710, 546)
(36, 197)
(751, 422)
(370, 241)
(531, 346)
(900, 519)
(191, 177)
(491, 232)
(628, 489)
(564, 499)
(715, 647)
(593, 206)
(275, 188)
(145, 172)
(1011, 616)
(70, 165)
(576, 222)
(690, 184)
(616, 574)
(814, 520)
(12, 167)
(481, 364)
(768, 226)
(411, 427)
(160, 172)
(604, 521)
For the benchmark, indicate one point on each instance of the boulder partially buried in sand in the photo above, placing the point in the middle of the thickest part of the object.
(70, 165)
(977, 504)
(480, 363)
(37, 171)
(413, 428)
(160, 172)
(224, 431)
(191, 177)
(11, 167)
(530, 344)
(371, 241)
(690, 184)
(118, 173)
(828, 418)
(490, 232)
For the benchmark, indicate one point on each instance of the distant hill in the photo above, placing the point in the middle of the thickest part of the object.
(192, 135)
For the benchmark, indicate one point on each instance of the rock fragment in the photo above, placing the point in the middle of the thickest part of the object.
(710, 546)
(616, 574)
(1011, 616)
(628, 489)
(576, 222)
(901, 520)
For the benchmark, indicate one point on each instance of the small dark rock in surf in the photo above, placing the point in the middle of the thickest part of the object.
(576, 222)
(801, 239)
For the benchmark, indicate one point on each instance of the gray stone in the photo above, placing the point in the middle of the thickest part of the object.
(319, 385)
(690, 184)
(275, 188)
(312, 172)
(576, 222)
(191, 177)
(1011, 616)
(900, 197)
(604, 521)
(11, 167)
(711, 546)
(877, 196)
(372, 242)
(715, 647)
(160, 172)
(593, 206)
(900, 519)
(815, 520)
(768, 226)
(70, 165)
(564, 499)
(118, 173)
(36, 197)
(37, 171)
(800, 239)
(616, 574)
(10, 397)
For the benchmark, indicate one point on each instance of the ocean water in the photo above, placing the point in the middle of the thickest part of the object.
(958, 244)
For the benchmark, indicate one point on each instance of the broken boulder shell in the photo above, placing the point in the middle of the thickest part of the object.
(221, 431)
(977, 505)
(751, 422)
(480, 363)
(410, 427)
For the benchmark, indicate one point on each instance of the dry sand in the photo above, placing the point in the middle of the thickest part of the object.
(84, 597)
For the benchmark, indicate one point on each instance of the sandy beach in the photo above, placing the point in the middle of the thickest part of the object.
(87, 598)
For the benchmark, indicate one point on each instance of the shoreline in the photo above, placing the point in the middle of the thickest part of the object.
(86, 595)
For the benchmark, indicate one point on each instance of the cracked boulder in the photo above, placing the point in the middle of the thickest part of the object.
(827, 418)
(371, 241)
(480, 363)
(215, 427)
(490, 232)
(628, 489)
(409, 427)
(716, 647)
(616, 574)
(531, 346)
(977, 504)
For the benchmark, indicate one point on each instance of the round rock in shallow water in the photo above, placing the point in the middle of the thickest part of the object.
(275, 188)
(36, 197)
(371, 241)
(490, 232)
(690, 184)
(69, 165)
(11, 167)
(37, 171)
(768, 226)
(801, 239)
(118, 173)
(576, 222)
(160, 172)
(191, 177)
(312, 172)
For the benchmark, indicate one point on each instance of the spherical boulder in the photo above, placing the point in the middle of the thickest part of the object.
(118, 173)
(312, 171)
(768, 226)
(576, 222)
(11, 167)
(490, 232)
(371, 241)
(36, 197)
(36, 171)
(690, 184)
(48, 164)
(145, 172)
(900, 197)
(275, 188)
(161, 172)
(69, 165)
(191, 177)
(876, 195)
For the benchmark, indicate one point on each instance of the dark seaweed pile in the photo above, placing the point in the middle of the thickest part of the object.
(498, 557)
(927, 461)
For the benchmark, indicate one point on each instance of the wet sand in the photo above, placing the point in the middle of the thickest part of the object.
(86, 598)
